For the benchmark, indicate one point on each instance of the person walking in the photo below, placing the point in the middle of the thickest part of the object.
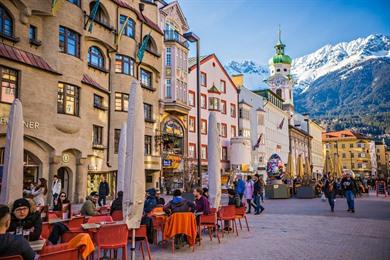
(104, 191)
(330, 191)
(349, 188)
(248, 193)
(256, 195)
(262, 188)
(240, 186)
(55, 189)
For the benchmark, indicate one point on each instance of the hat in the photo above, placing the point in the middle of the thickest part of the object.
(20, 203)
(94, 194)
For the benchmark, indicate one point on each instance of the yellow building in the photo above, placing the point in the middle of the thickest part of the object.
(353, 150)
(381, 158)
(316, 150)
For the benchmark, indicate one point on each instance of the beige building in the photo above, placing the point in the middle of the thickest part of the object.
(381, 158)
(73, 75)
(316, 149)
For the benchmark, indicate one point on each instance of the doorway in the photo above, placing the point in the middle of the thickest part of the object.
(63, 174)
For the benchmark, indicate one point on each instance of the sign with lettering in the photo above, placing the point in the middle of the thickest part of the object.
(27, 124)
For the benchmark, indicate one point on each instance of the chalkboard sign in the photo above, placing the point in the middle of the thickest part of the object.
(380, 188)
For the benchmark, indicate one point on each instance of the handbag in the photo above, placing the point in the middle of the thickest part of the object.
(323, 198)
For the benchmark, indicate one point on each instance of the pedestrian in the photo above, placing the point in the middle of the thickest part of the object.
(116, 205)
(150, 200)
(202, 205)
(160, 200)
(55, 189)
(248, 194)
(39, 192)
(349, 188)
(10, 244)
(257, 195)
(262, 188)
(104, 191)
(62, 199)
(89, 206)
(330, 191)
(240, 186)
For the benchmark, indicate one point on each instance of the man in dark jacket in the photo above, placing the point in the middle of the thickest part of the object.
(330, 191)
(117, 203)
(12, 244)
(179, 204)
(349, 187)
(104, 191)
(257, 191)
(24, 221)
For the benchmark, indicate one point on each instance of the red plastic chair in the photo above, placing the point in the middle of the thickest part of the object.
(241, 214)
(98, 219)
(112, 237)
(104, 210)
(53, 215)
(46, 230)
(12, 257)
(75, 222)
(210, 222)
(228, 213)
(117, 215)
(141, 236)
(62, 254)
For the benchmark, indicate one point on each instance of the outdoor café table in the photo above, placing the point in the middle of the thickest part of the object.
(37, 245)
(181, 223)
(57, 220)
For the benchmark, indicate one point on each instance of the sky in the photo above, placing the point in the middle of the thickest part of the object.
(247, 29)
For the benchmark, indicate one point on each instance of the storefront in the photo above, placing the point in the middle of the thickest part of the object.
(94, 179)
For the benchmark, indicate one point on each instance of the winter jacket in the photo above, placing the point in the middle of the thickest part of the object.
(116, 205)
(38, 196)
(240, 187)
(32, 222)
(88, 208)
(178, 204)
(330, 188)
(56, 187)
(202, 205)
(348, 185)
(248, 194)
(104, 189)
(15, 245)
(151, 201)
(235, 200)
(257, 190)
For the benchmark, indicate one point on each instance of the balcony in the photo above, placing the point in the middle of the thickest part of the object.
(175, 36)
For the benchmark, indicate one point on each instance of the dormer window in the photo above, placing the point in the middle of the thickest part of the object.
(101, 14)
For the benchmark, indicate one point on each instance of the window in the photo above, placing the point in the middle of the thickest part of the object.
(192, 150)
(244, 114)
(148, 145)
(222, 87)
(121, 102)
(68, 99)
(352, 155)
(350, 145)
(214, 103)
(129, 29)
(168, 88)
(203, 126)
(360, 145)
(203, 102)
(9, 82)
(6, 23)
(98, 101)
(69, 41)
(168, 57)
(75, 2)
(233, 110)
(124, 65)
(342, 145)
(101, 15)
(233, 129)
(224, 153)
(146, 78)
(203, 152)
(223, 107)
(151, 45)
(117, 136)
(148, 112)
(191, 124)
(223, 130)
(95, 57)
(344, 155)
(278, 70)
(32, 33)
(260, 119)
(203, 79)
(279, 92)
(359, 165)
(362, 155)
(97, 135)
(335, 145)
(191, 98)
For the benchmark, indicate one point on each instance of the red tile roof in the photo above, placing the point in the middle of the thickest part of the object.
(89, 81)
(18, 55)
(343, 134)
(140, 16)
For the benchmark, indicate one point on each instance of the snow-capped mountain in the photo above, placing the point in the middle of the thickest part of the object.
(254, 73)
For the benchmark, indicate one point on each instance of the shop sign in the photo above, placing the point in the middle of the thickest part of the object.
(167, 163)
(172, 162)
(27, 124)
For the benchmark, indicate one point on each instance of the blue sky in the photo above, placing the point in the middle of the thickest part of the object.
(247, 29)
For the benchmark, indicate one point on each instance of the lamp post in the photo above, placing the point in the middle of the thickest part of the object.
(192, 37)
(307, 120)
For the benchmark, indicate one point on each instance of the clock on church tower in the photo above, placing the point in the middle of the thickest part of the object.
(280, 81)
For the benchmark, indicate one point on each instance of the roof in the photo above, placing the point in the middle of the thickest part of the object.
(303, 132)
(204, 59)
(344, 134)
(179, 10)
(244, 103)
(122, 3)
(214, 89)
(89, 81)
(18, 55)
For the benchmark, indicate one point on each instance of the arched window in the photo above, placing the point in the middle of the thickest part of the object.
(279, 92)
(6, 23)
(101, 15)
(95, 57)
(152, 47)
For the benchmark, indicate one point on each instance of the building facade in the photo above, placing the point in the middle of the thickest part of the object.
(353, 149)
(316, 149)
(72, 72)
(219, 94)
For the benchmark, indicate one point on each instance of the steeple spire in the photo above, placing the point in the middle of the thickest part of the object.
(279, 47)
(280, 35)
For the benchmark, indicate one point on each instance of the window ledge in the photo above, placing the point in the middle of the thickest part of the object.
(98, 68)
(35, 42)
(148, 88)
(98, 146)
(106, 26)
(104, 108)
(148, 120)
(153, 53)
(10, 38)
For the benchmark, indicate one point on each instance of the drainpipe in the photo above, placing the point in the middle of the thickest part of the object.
(109, 109)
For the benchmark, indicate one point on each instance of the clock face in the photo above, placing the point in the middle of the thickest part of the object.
(278, 81)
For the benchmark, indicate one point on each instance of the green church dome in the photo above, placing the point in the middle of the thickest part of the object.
(280, 58)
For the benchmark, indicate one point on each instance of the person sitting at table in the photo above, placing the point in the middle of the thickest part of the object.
(117, 203)
(179, 204)
(206, 192)
(25, 220)
(160, 200)
(150, 200)
(89, 206)
(202, 205)
(61, 200)
(234, 199)
(12, 244)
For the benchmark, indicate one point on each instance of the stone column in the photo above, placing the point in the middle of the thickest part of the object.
(81, 180)
(53, 167)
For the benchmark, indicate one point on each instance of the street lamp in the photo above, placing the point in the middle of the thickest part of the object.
(192, 37)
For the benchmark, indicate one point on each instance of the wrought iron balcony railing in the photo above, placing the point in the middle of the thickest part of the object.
(171, 35)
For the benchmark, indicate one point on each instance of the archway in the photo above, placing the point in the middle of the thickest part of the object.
(64, 174)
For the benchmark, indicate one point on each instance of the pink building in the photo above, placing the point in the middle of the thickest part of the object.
(218, 93)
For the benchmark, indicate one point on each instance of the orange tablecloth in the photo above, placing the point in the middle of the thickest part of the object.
(181, 223)
(85, 241)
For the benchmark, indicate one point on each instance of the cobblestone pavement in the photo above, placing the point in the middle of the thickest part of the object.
(302, 229)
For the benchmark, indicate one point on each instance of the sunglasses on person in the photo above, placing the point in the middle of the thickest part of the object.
(21, 209)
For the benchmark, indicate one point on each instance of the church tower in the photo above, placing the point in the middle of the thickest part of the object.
(280, 80)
